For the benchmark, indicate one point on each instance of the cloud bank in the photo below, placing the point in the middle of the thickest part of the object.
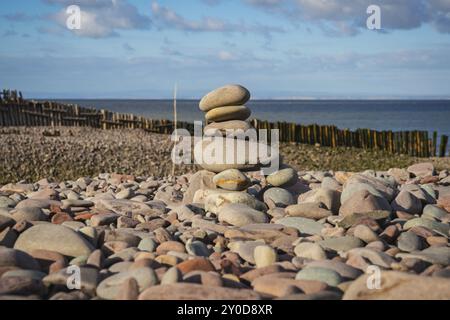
(165, 17)
(348, 17)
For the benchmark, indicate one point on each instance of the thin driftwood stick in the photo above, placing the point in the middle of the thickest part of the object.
(175, 120)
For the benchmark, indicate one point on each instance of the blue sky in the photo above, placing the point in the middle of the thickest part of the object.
(276, 48)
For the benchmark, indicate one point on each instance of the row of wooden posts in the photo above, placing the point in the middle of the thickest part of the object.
(15, 111)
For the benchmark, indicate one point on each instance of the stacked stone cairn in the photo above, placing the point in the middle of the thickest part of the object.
(226, 112)
(224, 188)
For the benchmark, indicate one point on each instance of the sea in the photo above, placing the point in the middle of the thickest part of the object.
(396, 115)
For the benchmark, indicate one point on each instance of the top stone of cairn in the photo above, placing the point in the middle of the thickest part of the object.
(229, 95)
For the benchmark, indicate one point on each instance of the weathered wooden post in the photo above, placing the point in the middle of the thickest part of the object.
(434, 144)
(443, 146)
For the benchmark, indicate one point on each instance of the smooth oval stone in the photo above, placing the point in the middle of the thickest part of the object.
(283, 178)
(409, 242)
(278, 197)
(198, 181)
(433, 212)
(217, 154)
(72, 195)
(430, 224)
(399, 175)
(197, 248)
(310, 250)
(422, 170)
(245, 249)
(240, 215)
(89, 278)
(120, 266)
(283, 284)
(32, 274)
(328, 276)
(20, 286)
(407, 202)
(129, 291)
(222, 127)
(53, 238)
(232, 180)
(264, 256)
(434, 255)
(344, 270)
(187, 212)
(40, 203)
(125, 194)
(351, 189)
(377, 245)
(377, 186)
(331, 184)
(167, 246)
(123, 207)
(205, 278)
(364, 233)
(17, 188)
(330, 198)
(104, 219)
(111, 287)
(147, 244)
(304, 225)
(19, 259)
(215, 201)
(29, 214)
(228, 95)
(6, 202)
(228, 113)
(363, 202)
(342, 243)
(399, 286)
(173, 275)
(421, 192)
(197, 264)
(374, 256)
(314, 211)
(96, 259)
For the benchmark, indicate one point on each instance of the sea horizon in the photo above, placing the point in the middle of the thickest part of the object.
(253, 99)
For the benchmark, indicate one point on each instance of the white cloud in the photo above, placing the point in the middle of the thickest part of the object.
(226, 55)
(101, 18)
(165, 17)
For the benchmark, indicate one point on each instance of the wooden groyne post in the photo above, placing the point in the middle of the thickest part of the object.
(15, 111)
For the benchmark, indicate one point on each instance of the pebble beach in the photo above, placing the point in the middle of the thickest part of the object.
(176, 238)
(63, 153)
(91, 214)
